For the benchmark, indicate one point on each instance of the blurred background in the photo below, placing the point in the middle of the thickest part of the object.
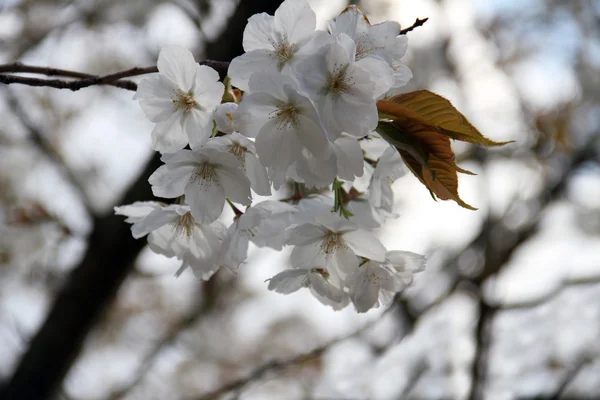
(508, 307)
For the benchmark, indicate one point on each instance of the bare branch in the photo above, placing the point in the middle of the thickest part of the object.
(278, 365)
(416, 24)
(84, 80)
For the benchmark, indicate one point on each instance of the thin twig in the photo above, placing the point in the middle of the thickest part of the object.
(85, 80)
(416, 24)
(570, 377)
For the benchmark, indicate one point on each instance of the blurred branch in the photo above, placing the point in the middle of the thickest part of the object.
(278, 365)
(416, 24)
(42, 143)
(548, 296)
(570, 377)
(108, 259)
(85, 80)
(203, 308)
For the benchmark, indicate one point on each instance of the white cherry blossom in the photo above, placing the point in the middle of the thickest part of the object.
(333, 243)
(276, 43)
(172, 231)
(282, 120)
(206, 177)
(375, 283)
(343, 91)
(180, 100)
(262, 225)
(243, 149)
(317, 280)
(379, 47)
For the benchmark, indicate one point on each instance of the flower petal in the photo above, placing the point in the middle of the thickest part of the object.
(365, 244)
(177, 63)
(288, 281)
(206, 199)
(170, 183)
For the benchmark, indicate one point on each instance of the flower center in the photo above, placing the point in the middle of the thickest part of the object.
(287, 114)
(238, 151)
(284, 52)
(339, 82)
(184, 225)
(185, 101)
(332, 242)
(205, 176)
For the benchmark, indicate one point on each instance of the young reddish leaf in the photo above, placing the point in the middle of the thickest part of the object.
(420, 125)
(429, 156)
(434, 111)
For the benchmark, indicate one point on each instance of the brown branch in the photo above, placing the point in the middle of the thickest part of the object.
(84, 80)
(416, 24)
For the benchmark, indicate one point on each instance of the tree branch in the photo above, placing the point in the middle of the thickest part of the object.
(278, 365)
(416, 24)
(110, 256)
(84, 80)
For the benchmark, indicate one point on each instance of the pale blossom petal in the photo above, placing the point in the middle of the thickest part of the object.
(168, 136)
(349, 157)
(296, 18)
(235, 184)
(289, 281)
(155, 96)
(177, 63)
(206, 199)
(258, 32)
(198, 127)
(170, 183)
(365, 244)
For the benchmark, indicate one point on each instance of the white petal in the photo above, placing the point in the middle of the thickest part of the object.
(310, 256)
(274, 84)
(406, 260)
(313, 72)
(137, 210)
(224, 117)
(349, 157)
(259, 32)
(277, 146)
(342, 263)
(177, 63)
(168, 136)
(207, 90)
(364, 292)
(288, 281)
(312, 136)
(206, 199)
(306, 234)
(325, 289)
(296, 19)
(243, 67)
(234, 249)
(154, 220)
(254, 112)
(198, 127)
(235, 184)
(170, 183)
(257, 174)
(365, 244)
(381, 72)
(155, 95)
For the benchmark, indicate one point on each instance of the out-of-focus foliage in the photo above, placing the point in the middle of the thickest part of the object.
(507, 307)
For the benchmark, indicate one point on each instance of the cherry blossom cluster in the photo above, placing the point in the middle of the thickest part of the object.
(304, 103)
